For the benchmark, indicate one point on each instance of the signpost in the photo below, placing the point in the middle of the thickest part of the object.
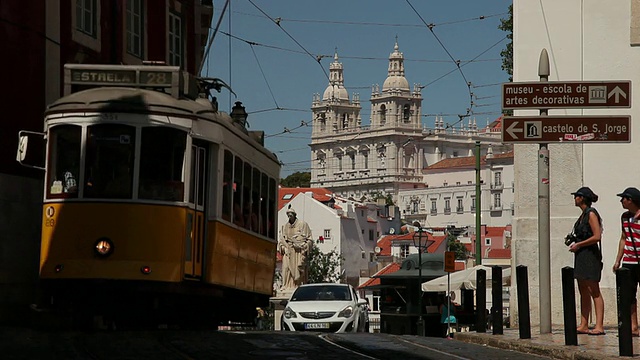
(449, 261)
(575, 129)
(566, 95)
(543, 129)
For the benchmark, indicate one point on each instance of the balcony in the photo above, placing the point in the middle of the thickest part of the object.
(447, 211)
(459, 210)
(495, 207)
(434, 212)
(497, 186)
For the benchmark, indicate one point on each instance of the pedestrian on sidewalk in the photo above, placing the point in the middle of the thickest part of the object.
(584, 242)
(628, 247)
(448, 316)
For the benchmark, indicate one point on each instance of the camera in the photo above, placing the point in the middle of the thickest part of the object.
(570, 239)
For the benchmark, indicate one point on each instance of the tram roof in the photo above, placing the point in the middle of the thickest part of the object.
(122, 99)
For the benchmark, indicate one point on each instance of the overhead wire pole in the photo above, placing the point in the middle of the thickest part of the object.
(478, 207)
(544, 233)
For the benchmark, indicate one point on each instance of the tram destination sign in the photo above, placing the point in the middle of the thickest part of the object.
(561, 94)
(576, 129)
(122, 77)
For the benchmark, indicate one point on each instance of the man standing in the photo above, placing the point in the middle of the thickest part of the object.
(294, 245)
(629, 246)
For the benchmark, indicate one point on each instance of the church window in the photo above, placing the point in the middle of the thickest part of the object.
(383, 114)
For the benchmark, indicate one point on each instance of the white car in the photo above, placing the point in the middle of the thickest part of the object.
(324, 307)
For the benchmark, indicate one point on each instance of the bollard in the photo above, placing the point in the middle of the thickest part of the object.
(481, 301)
(569, 306)
(524, 315)
(623, 297)
(496, 300)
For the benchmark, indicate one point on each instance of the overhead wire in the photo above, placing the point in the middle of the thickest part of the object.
(291, 37)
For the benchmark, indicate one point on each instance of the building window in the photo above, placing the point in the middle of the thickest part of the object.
(86, 17)
(445, 184)
(370, 234)
(327, 234)
(487, 241)
(339, 162)
(366, 160)
(447, 206)
(352, 156)
(473, 203)
(498, 178)
(497, 203)
(459, 208)
(434, 208)
(175, 40)
(135, 26)
(404, 251)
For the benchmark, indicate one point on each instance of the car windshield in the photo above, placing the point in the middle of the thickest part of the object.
(328, 293)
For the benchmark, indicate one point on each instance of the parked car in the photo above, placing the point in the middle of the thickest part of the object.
(326, 308)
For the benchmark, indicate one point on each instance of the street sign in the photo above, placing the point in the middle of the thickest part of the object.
(565, 95)
(449, 261)
(576, 129)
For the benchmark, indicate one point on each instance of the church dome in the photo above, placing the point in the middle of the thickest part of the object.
(338, 92)
(395, 82)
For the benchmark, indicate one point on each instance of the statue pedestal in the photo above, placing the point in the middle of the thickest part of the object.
(278, 307)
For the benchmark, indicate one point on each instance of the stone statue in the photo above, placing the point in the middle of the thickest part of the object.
(294, 246)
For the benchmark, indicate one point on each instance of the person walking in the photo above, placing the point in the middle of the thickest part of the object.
(627, 256)
(584, 242)
(447, 316)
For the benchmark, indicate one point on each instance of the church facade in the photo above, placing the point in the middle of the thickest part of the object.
(390, 153)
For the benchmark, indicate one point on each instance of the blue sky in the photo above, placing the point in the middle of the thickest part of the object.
(277, 72)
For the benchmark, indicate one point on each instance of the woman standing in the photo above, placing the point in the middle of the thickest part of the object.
(447, 316)
(585, 244)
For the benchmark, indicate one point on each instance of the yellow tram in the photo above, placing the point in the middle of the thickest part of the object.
(157, 207)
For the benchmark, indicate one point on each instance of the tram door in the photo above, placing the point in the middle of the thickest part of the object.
(196, 217)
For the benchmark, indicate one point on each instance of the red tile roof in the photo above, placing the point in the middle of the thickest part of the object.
(385, 242)
(495, 231)
(320, 194)
(375, 280)
(465, 162)
(499, 254)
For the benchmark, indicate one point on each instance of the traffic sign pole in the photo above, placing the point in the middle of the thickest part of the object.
(544, 233)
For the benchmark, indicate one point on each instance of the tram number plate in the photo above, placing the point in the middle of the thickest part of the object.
(316, 325)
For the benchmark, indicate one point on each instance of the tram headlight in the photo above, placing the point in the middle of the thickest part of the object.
(103, 247)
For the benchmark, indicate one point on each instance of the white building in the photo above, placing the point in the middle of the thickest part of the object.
(390, 153)
(586, 40)
(350, 228)
(449, 194)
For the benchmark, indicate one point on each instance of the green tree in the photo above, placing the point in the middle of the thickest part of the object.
(323, 267)
(297, 179)
(507, 53)
(456, 246)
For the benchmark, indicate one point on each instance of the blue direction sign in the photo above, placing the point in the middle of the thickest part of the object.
(564, 95)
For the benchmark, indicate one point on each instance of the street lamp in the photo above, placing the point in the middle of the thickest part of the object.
(420, 241)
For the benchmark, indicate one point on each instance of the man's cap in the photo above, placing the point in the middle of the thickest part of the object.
(631, 193)
(585, 192)
(291, 211)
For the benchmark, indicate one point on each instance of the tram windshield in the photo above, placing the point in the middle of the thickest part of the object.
(64, 162)
(109, 161)
(162, 155)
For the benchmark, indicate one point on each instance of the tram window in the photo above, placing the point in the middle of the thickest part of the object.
(227, 180)
(271, 225)
(162, 164)
(64, 161)
(264, 196)
(255, 201)
(246, 195)
(109, 163)
(238, 218)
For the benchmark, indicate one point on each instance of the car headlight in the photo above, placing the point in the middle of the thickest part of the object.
(288, 313)
(346, 312)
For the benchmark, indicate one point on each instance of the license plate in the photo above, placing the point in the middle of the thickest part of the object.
(310, 326)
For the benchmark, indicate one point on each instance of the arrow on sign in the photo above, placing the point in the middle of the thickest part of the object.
(617, 92)
(512, 130)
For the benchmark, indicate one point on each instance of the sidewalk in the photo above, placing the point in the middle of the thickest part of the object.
(553, 345)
